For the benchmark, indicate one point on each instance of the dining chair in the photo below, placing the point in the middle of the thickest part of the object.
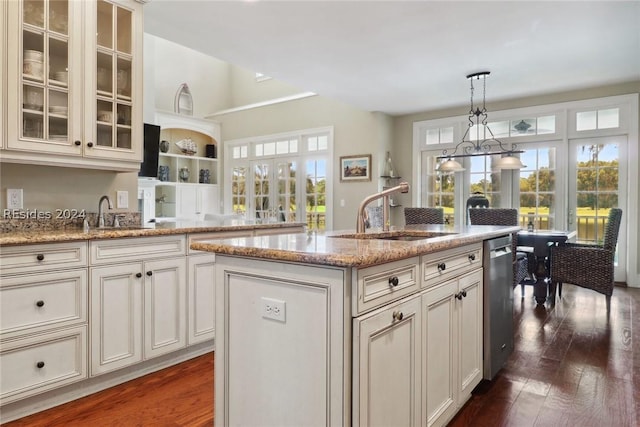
(423, 216)
(523, 261)
(588, 265)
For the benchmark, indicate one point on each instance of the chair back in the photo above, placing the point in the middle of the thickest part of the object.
(612, 229)
(493, 216)
(423, 216)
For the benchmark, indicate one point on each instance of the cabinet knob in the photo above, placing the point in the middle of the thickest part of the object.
(464, 293)
(442, 266)
(149, 273)
(138, 275)
(459, 296)
(472, 257)
(40, 257)
(40, 303)
(393, 281)
(397, 315)
(89, 144)
(77, 142)
(40, 365)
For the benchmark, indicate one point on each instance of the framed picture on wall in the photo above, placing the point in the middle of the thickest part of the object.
(355, 168)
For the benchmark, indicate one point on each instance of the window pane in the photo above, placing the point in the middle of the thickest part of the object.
(586, 120)
(323, 142)
(537, 188)
(446, 135)
(312, 143)
(546, 125)
(282, 147)
(433, 136)
(269, 148)
(523, 127)
(608, 119)
(293, 146)
(259, 150)
(500, 129)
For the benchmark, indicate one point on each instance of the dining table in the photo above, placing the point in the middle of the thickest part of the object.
(541, 241)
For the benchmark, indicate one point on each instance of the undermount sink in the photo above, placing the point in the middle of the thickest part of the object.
(396, 235)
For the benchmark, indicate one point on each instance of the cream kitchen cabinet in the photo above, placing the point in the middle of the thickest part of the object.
(74, 76)
(201, 298)
(387, 365)
(452, 335)
(138, 309)
(43, 318)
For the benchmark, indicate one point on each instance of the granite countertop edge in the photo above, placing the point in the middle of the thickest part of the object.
(326, 249)
(35, 236)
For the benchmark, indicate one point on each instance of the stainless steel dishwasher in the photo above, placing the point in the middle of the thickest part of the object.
(498, 304)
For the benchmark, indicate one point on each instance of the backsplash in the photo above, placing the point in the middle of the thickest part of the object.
(37, 220)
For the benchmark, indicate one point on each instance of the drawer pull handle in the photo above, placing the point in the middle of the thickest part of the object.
(40, 365)
(40, 303)
(149, 273)
(472, 257)
(442, 266)
(393, 281)
(40, 257)
(138, 275)
(397, 315)
(461, 295)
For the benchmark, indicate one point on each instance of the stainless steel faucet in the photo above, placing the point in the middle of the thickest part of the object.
(100, 213)
(362, 219)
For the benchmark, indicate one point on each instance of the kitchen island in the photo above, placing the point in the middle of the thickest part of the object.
(349, 329)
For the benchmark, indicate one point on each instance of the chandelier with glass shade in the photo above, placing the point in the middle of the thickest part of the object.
(485, 143)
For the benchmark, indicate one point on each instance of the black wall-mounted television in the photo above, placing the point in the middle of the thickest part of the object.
(149, 166)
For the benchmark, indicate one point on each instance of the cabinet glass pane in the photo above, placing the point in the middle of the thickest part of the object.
(104, 74)
(104, 125)
(58, 115)
(124, 138)
(124, 30)
(33, 55)
(59, 16)
(105, 24)
(58, 62)
(123, 79)
(33, 13)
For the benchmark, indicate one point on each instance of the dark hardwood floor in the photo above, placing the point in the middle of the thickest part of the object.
(573, 366)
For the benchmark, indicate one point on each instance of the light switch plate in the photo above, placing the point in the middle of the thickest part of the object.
(122, 199)
(14, 198)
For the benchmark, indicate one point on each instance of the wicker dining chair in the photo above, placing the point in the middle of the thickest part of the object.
(523, 262)
(423, 216)
(588, 266)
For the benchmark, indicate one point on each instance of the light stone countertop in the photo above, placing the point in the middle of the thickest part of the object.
(326, 249)
(34, 236)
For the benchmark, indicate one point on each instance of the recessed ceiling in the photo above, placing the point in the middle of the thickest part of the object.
(400, 57)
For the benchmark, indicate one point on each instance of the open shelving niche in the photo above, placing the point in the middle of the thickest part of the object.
(187, 198)
(388, 182)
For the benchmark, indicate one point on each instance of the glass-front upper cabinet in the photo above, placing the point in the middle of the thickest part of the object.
(78, 91)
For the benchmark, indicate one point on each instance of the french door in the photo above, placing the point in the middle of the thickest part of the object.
(273, 197)
(597, 183)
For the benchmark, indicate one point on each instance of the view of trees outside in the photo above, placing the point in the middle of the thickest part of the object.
(538, 188)
(238, 189)
(315, 194)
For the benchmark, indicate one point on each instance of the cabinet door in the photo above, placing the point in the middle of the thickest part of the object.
(186, 201)
(201, 297)
(207, 199)
(387, 349)
(116, 316)
(45, 78)
(470, 315)
(440, 350)
(165, 288)
(113, 83)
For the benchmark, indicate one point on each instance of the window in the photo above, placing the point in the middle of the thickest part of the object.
(598, 119)
(538, 188)
(269, 176)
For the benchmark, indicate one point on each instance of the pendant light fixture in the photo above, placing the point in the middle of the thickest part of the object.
(485, 143)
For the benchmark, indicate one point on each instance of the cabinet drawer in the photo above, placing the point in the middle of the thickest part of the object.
(39, 301)
(216, 235)
(381, 284)
(443, 265)
(35, 258)
(137, 248)
(42, 362)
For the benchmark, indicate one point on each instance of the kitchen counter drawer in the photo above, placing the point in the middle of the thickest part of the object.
(33, 302)
(440, 266)
(42, 362)
(134, 249)
(36, 258)
(380, 284)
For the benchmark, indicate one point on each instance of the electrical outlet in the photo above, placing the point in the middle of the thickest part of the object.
(122, 199)
(14, 198)
(273, 309)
